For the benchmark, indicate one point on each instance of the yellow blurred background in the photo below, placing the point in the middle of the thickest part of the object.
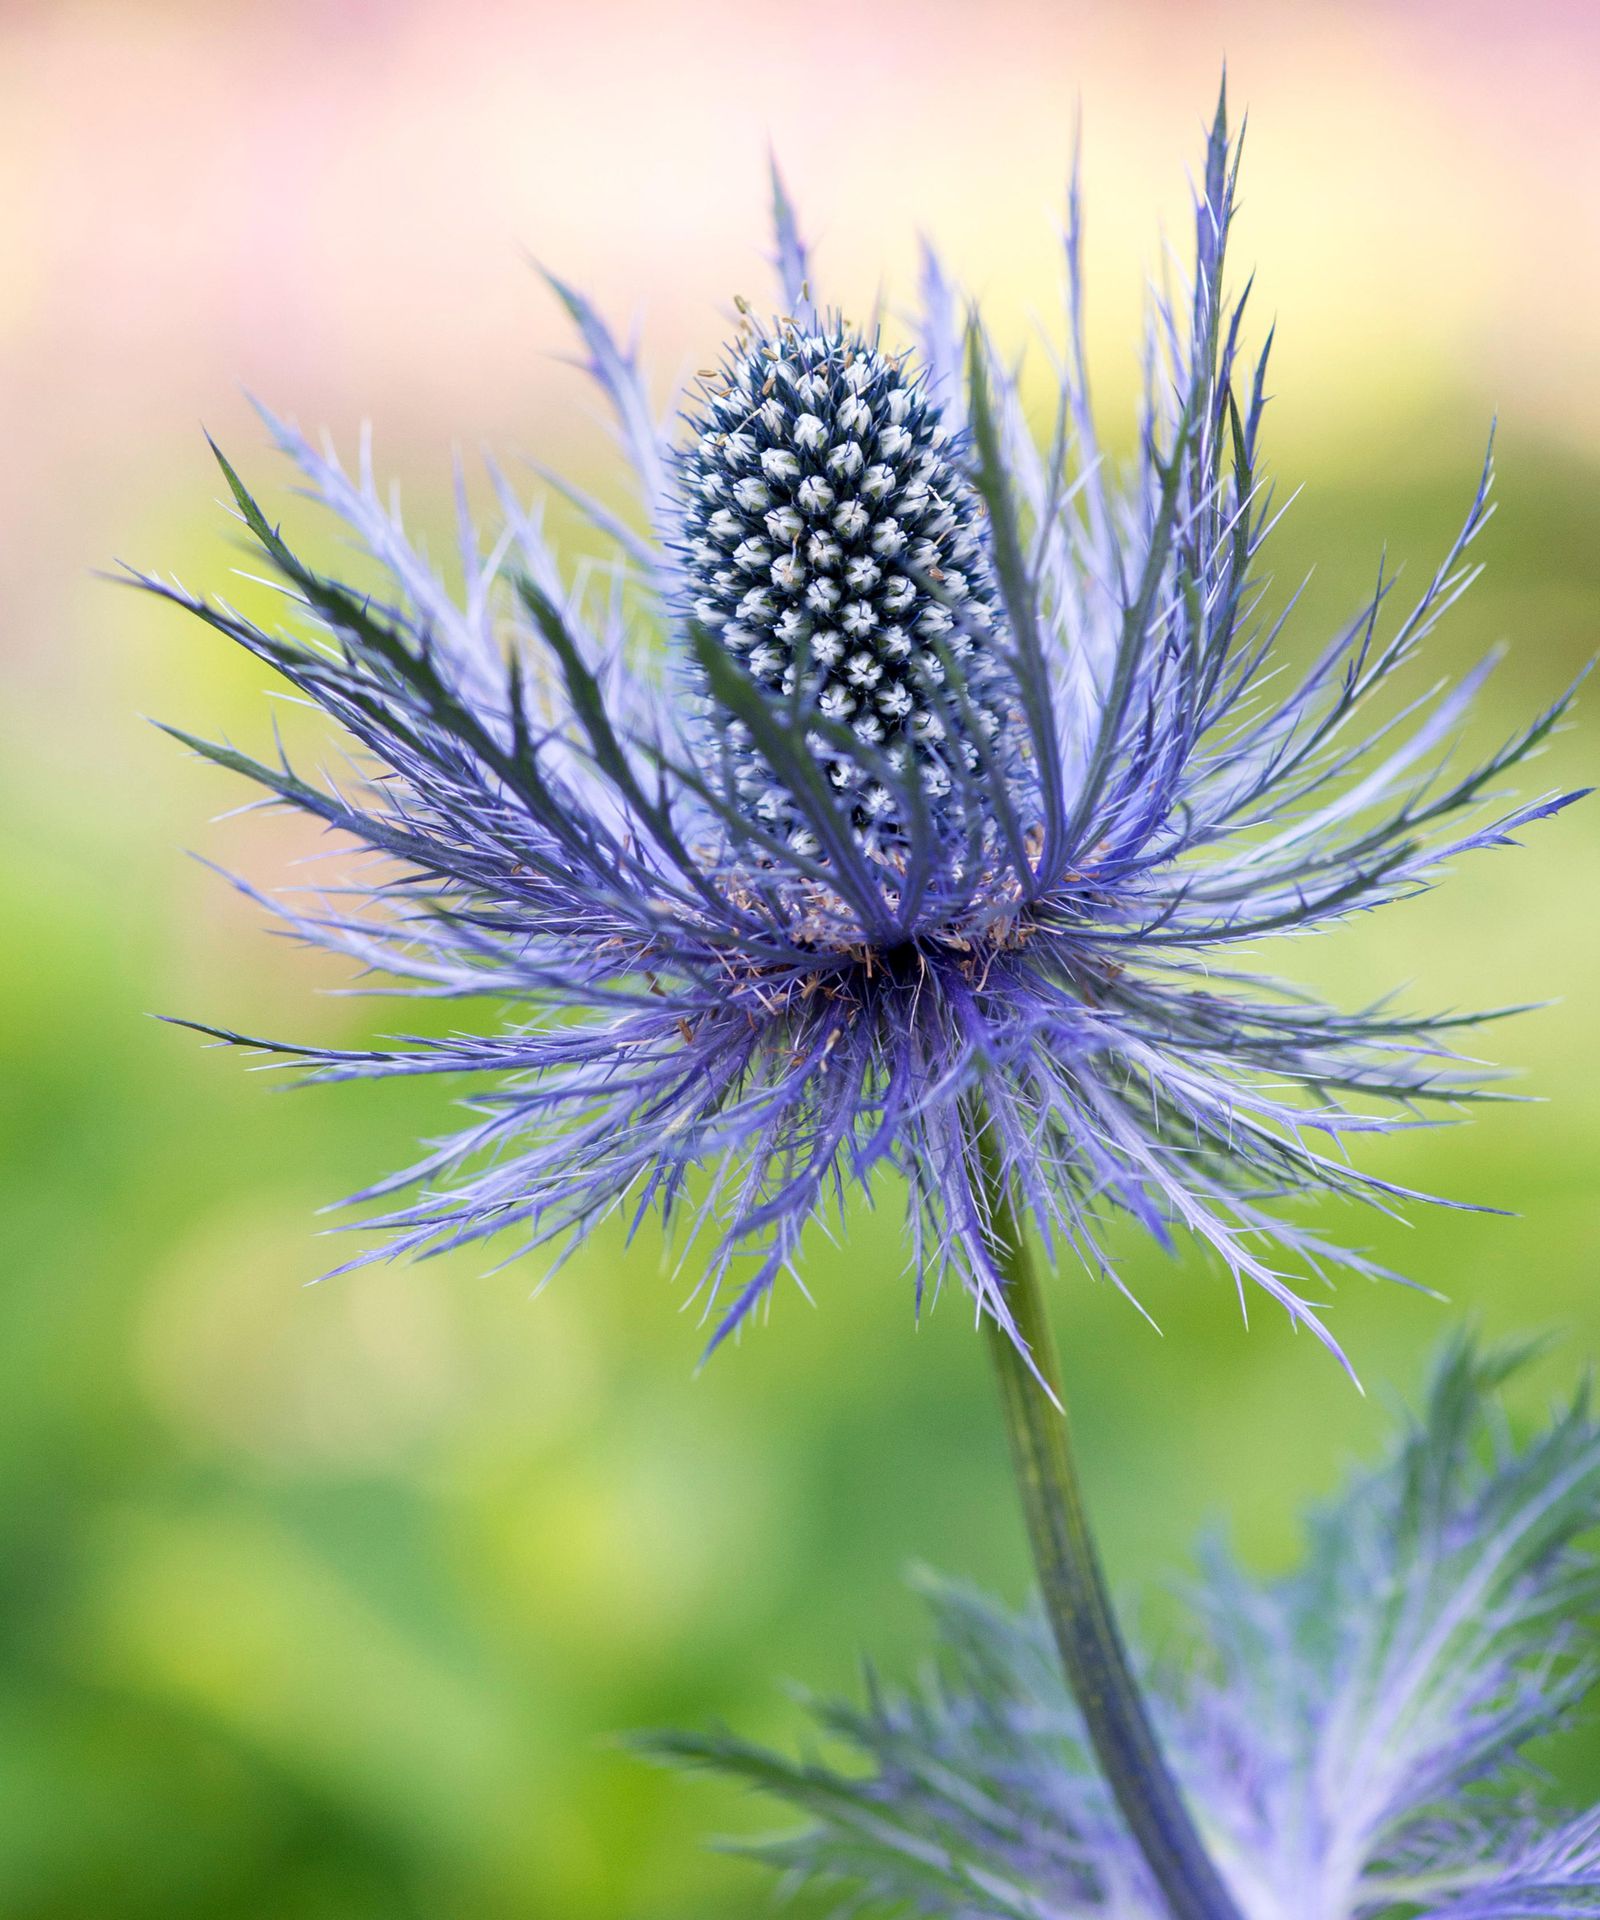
(330, 1601)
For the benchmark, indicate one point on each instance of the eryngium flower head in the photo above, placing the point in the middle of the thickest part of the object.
(924, 842)
(834, 547)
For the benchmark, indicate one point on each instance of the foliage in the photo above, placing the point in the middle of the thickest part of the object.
(1353, 1737)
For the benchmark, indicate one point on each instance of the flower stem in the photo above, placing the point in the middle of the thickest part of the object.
(1074, 1590)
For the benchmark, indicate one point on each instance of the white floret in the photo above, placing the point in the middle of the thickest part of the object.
(855, 416)
(814, 495)
(785, 525)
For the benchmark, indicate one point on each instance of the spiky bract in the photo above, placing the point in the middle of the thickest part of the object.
(754, 963)
(1351, 1737)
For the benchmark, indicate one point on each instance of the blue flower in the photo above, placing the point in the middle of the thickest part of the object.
(834, 547)
(904, 800)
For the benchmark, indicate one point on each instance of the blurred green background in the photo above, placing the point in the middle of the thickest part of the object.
(331, 1600)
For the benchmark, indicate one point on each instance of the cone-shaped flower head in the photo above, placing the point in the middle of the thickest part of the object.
(903, 802)
(834, 547)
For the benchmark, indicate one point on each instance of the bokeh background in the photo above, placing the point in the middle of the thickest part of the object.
(331, 1601)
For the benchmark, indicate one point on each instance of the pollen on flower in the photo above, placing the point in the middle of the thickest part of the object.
(860, 503)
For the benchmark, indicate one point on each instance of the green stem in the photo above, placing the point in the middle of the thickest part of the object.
(1074, 1590)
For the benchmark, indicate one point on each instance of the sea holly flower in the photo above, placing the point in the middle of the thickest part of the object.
(1352, 1734)
(835, 548)
(904, 800)
(962, 775)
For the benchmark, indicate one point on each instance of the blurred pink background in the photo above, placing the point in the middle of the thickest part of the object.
(330, 204)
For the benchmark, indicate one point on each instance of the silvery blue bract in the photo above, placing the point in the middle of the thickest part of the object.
(935, 829)
(1350, 1736)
